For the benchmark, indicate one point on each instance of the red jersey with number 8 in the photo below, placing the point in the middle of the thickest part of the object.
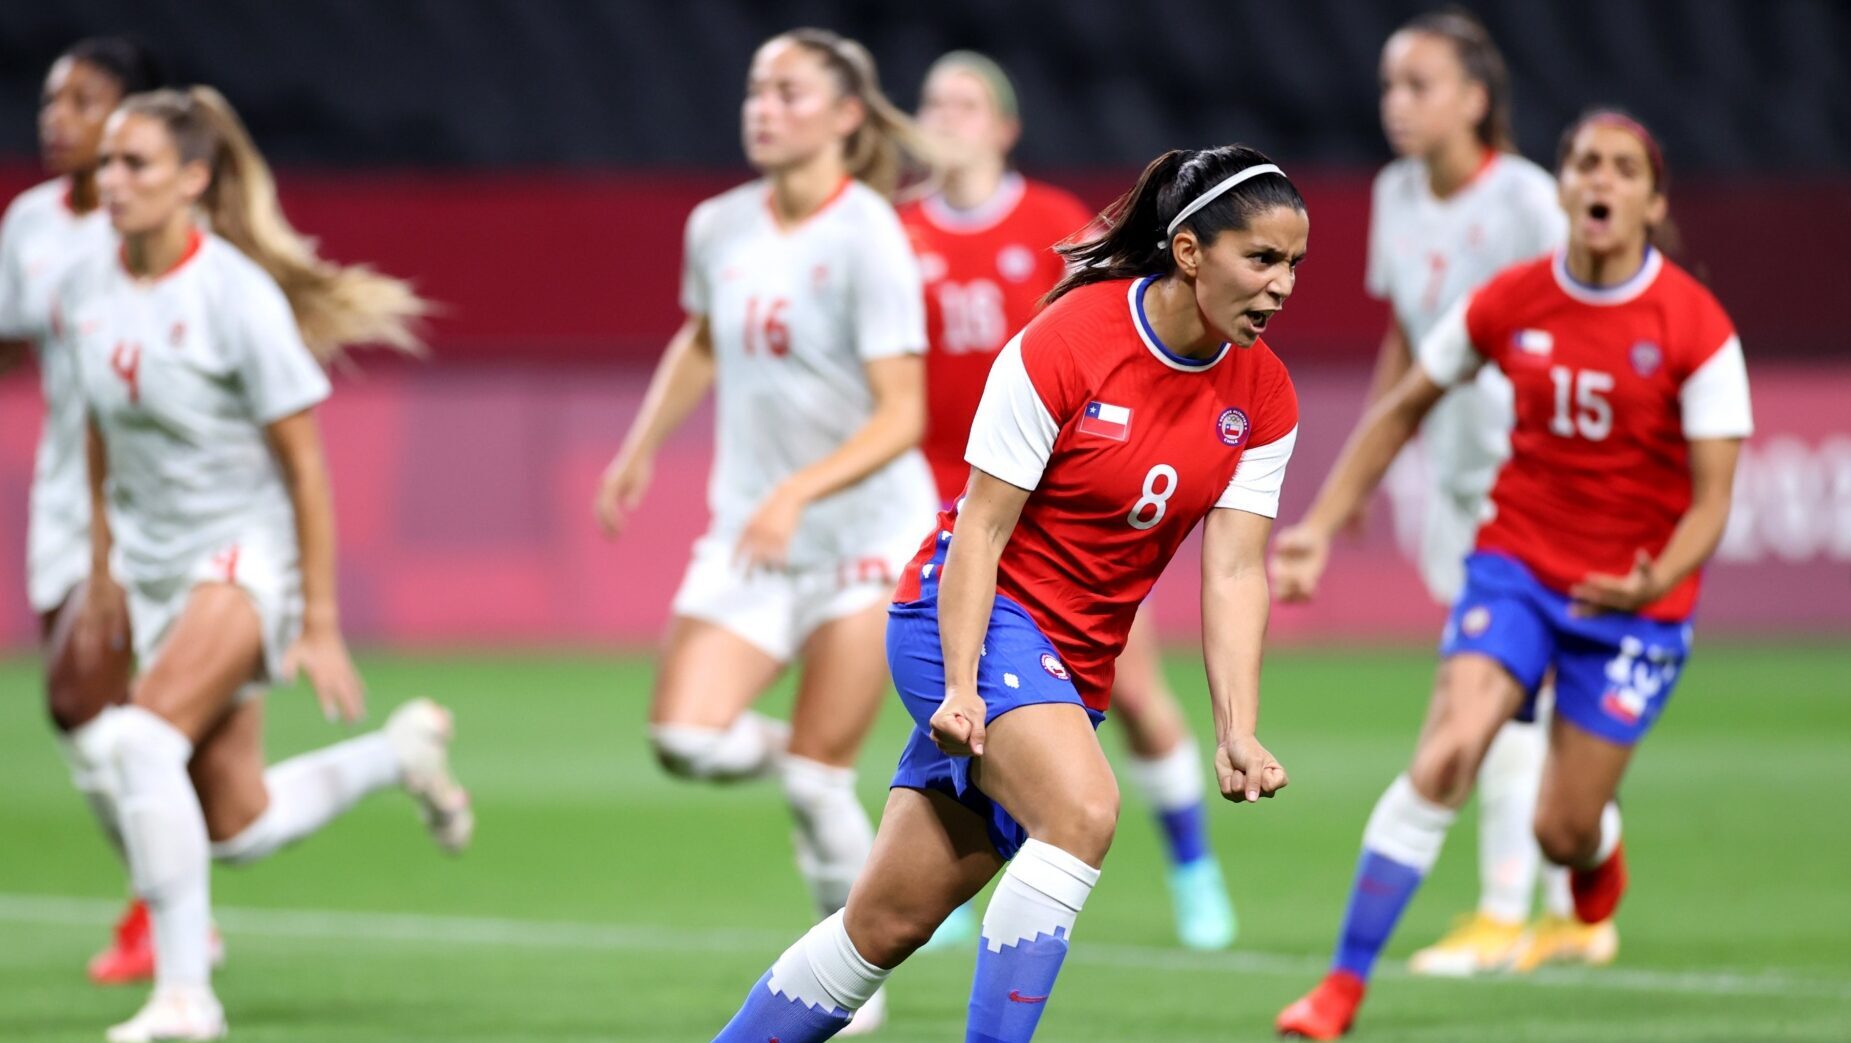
(1125, 446)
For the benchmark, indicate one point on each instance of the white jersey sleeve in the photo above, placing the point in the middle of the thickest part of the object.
(1012, 435)
(1376, 275)
(279, 373)
(12, 277)
(1259, 476)
(889, 298)
(1446, 353)
(1547, 225)
(1714, 399)
(696, 295)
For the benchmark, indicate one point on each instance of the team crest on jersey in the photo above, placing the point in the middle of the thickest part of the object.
(1053, 666)
(1233, 427)
(1015, 262)
(1646, 358)
(1537, 343)
(1476, 621)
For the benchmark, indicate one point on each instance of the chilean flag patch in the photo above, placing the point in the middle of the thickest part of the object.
(1106, 420)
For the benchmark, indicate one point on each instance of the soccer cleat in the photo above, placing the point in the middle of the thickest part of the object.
(1558, 939)
(1326, 1011)
(871, 1016)
(420, 732)
(180, 1013)
(1597, 891)
(958, 929)
(1477, 944)
(130, 956)
(1204, 916)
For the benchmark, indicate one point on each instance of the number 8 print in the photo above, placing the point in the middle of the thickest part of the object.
(1153, 498)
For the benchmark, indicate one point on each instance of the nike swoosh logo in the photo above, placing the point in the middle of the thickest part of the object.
(1016, 997)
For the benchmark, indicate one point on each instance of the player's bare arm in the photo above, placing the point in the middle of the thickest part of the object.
(320, 652)
(1712, 481)
(967, 594)
(1234, 610)
(680, 380)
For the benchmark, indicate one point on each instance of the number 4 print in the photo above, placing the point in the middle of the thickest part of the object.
(125, 362)
(1592, 415)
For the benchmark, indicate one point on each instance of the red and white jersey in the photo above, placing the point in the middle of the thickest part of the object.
(40, 239)
(182, 373)
(1612, 384)
(985, 271)
(1126, 446)
(796, 315)
(1425, 253)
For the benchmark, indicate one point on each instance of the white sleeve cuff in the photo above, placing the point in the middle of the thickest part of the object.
(1446, 353)
(1714, 399)
(1259, 476)
(1013, 433)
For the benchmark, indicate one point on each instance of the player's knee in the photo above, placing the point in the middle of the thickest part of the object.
(886, 937)
(1444, 768)
(686, 752)
(1083, 825)
(251, 844)
(1566, 841)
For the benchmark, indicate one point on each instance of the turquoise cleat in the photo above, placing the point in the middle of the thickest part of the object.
(960, 928)
(1204, 914)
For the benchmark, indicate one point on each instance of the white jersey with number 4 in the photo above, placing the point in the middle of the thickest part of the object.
(182, 373)
(40, 239)
(1425, 254)
(796, 313)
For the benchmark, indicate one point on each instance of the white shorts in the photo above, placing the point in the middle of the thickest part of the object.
(57, 559)
(1449, 530)
(777, 611)
(265, 569)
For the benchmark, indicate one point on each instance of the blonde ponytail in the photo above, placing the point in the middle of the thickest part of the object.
(877, 152)
(335, 305)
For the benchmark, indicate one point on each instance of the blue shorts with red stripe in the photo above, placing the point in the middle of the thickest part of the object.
(1613, 672)
(1018, 667)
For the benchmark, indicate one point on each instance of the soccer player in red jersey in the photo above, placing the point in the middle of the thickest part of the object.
(1140, 401)
(1631, 406)
(986, 250)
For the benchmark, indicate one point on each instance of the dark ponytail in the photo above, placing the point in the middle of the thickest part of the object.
(133, 66)
(1136, 240)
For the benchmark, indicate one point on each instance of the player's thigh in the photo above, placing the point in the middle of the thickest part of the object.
(212, 650)
(1142, 702)
(1043, 764)
(932, 854)
(1473, 695)
(228, 770)
(84, 672)
(708, 675)
(1580, 777)
(839, 692)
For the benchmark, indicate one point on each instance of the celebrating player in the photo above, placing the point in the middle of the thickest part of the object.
(47, 229)
(210, 503)
(1458, 207)
(984, 242)
(806, 315)
(1631, 405)
(1139, 401)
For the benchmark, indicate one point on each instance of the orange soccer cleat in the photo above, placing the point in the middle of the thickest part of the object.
(1597, 891)
(1326, 1011)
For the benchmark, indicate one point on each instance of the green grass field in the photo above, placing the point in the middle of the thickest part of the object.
(602, 902)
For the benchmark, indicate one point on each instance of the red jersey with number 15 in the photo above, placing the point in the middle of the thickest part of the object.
(985, 272)
(1612, 385)
(1125, 446)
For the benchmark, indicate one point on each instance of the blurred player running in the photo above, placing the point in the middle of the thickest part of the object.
(1631, 405)
(805, 315)
(211, 507)
(1139, 402)
(1459, 206)
(985, 242)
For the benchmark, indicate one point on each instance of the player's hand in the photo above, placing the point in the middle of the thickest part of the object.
(957, 727)
(1300, 553)
(101, 632)
(765, 543)
(1600, 592)
(621, 489)
(1246, 771)
(322, 655)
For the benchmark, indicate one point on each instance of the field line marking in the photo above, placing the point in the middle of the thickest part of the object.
(421, 929)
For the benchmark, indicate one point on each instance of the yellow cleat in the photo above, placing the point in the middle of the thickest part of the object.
(1561, 940)
(1477, 944)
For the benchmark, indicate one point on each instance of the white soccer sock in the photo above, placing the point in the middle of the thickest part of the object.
(1407, 827)
(1170, 781)
(823, 968)
(1041, 892)
(833, 835)
(1609, 835)
(1508, 857)
(86, 751)
(308, 792)
(1558, 897)
(747, 749)
(165, 834)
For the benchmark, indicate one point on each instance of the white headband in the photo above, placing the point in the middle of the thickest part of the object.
(1215, 193)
